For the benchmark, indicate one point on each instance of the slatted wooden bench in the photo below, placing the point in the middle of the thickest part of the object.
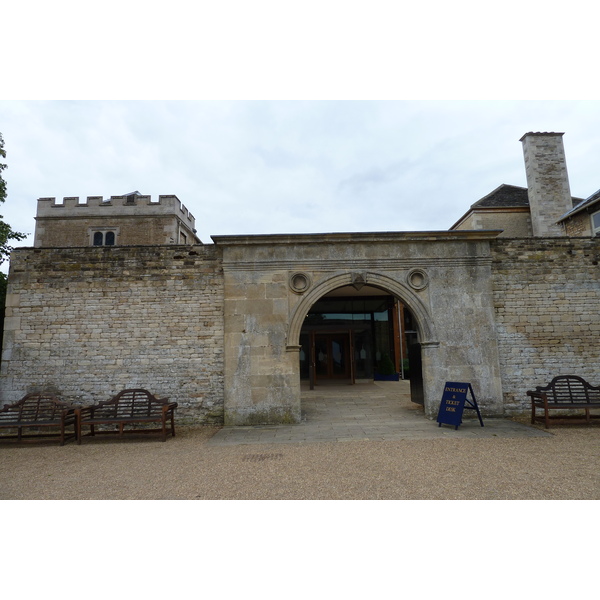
(565, 392)
(128, 408)
(43, 412)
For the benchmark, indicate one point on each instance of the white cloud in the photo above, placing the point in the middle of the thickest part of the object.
(286, 167)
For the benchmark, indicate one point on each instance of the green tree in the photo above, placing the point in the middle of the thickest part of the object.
(7, 234)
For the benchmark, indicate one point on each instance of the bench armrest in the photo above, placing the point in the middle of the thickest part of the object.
(535, 395)
(85, 411)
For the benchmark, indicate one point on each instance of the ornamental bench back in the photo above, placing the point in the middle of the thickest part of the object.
(570, 390)
(36, 411)
(565, 392)
(127, 408)
(129, 404)
(33, 408)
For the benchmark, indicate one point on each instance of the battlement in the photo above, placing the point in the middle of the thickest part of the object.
(128, 205)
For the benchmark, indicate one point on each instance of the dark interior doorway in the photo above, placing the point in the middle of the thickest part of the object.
(356, 335)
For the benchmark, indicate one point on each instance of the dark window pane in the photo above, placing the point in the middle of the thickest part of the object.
(98, 238)
(110, 238)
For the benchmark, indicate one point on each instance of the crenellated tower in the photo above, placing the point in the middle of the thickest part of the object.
(129, 220)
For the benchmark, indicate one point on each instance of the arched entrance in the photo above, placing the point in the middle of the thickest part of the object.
(360, 327)
(355, 335)
(271, 284)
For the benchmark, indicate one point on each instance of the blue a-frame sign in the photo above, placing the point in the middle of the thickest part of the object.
(454, 401)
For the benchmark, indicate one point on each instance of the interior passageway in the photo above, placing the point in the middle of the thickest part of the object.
(368, 407)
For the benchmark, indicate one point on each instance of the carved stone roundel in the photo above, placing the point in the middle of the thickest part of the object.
(417, 279)
(299, 282)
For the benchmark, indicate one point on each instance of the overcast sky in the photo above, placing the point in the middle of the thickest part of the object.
(288, 166)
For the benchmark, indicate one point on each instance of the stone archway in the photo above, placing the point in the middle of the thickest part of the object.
(425, 323)
(398, 289)
(270, 282)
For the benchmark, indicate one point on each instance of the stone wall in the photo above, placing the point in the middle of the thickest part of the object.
(580, 225)
(547, 303)
(89, 322)
(129, 231)
(216, 328)
(513, 222)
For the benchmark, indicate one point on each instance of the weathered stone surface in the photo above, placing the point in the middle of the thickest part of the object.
(547, 302)
(454, 310)
(134, 220)
(547, 182)
(92, 321)
(216, 328)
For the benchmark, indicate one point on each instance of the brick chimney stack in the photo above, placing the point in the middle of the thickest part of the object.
(547, 182)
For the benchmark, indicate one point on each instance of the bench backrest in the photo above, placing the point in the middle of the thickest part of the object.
(566, 389)
(34, 407)
(131, 403)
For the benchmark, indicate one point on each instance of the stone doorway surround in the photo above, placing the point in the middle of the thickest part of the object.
(271, 281)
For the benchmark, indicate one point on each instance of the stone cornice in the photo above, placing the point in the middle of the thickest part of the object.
(357, 238)
(358, 264)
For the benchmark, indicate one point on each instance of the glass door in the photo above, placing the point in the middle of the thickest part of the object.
(332, 356)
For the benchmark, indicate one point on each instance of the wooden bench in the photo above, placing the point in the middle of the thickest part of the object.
(39, 411)
(129, 407)
(565, 392)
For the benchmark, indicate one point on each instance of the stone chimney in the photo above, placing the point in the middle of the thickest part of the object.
(547, 182)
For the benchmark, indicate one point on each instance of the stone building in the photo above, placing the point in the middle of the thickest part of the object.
(583, 219)
(545, 207)
(230, 330)
(506, 208)
(128, 220)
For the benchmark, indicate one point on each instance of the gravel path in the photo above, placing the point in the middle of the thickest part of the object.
(563, 466)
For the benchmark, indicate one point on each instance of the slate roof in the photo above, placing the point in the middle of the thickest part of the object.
(504, 196)
(588, 203)
(514, 196)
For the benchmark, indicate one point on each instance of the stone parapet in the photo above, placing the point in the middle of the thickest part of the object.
(114, 206)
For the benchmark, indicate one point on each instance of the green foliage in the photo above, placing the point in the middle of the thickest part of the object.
(2, 167)
(3, 284)
(6, 235)
(386, 366)
(406, 368)
(6, 231)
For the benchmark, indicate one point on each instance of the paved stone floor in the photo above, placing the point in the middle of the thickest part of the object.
(367, 411)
